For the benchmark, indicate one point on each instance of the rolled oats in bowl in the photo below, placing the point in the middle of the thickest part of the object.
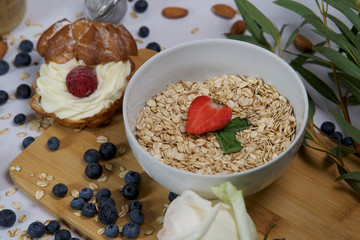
(161, 127)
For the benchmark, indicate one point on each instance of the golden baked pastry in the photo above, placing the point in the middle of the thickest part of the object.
(101, 49)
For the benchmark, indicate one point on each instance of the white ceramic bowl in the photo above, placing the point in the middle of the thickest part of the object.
(201, 60)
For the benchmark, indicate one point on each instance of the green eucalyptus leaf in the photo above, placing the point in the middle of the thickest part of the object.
(316, 82)
(352, 84)
(344, 8)
(350, 176)
(246, 38)
(348, 128)
(352, 183)
(345, 31)
(339, 151)
(312, 108)
(351, 4)
(291, 38)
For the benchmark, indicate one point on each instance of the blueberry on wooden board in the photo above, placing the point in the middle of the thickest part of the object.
(86, 194)
(27, 141)
(91, 156)
(53, 143)
(77, 203)
(63, 234)
(53, 226)
(93, 170)
(135, 204)
(111, 231)
(60, 190)
(132, 177)
(103, 193)
(136, 216)
(89, 210)
(107, 150)
(108, 214)
(131, 230)
(130, 191)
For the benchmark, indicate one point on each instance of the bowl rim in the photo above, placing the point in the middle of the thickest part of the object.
(178, 47)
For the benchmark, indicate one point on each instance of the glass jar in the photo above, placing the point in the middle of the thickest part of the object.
(11, 14)
(106, 10)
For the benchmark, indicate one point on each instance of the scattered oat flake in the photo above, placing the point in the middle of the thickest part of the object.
(21, 134)
(24, 76)
(39, 194)
(124, 210)
(2, 207)
(22, 218)
(138, 40)
(42, 184)
(12, 96)
(12, 42)
(122, 149)
(195, 30)
(5, 116)
(79, 15)
(31, 174)
(103, 178)
(101, 231)
(50, 177)
(77, 130)
(22, 126)
(28, 22)
(108, 166)
(16, 205)
(42, 176)
(15, 168)
(160, 220)
(11, 191)
(74, 193)
(13, 232)
(133, 14)
(37, 25)
(122, 168)
(93, 186)
(102, 139)
(122, 174)
(148, 232)
(4, 131)
(78, 213)
(37, 35)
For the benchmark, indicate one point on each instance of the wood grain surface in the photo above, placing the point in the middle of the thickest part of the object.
(304, 203)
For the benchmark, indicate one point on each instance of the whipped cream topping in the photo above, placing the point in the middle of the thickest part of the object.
(55, 97)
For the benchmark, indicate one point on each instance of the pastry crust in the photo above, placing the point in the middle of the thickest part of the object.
(92, 42)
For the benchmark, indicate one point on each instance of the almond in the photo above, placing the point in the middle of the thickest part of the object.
(174, 12)
(3, 48)
(302, 43)
(224, 10)
(238, 27)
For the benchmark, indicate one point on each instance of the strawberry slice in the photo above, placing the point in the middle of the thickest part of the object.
(207, 115)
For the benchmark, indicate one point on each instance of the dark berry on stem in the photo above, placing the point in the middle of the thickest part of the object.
(154, 46)
(132, 177)
(89, 210)
(22, 59)
(19, 119)
(327, 127)
(136, 216)
(77, 203)
(4, 67)
(111, 231)
(27, 141)
(86, 194)
(130, 191)
(337, 136)
(60, 190)
(107, 150)
(144, 31)
(23, 91)
(26, 46)
(93, 170)
(4, 97)
(103, 193)
(131, 230)
(36, 230)
(347, 141)
(7, 218)
(53, 226)
(108, 214)
(91, 156)
(53, 143)
(135, 204)
(141, 6)
(63, 234)
(172, 196)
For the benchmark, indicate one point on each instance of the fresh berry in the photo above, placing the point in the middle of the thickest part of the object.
(53, 226)
(154, 46)
(26, 46)
(106, 201)
(136, 216)
(143, 32)
(4, 96)
(86, 194)
(131, 230)
(36, 230)
(75, 238)
(22, 59)
(135, 204)
(111, 231)
(81, 81)
(53, 143)
(7, 218)
(130, 191)
(107, 150)
(23, 91)
(89, 210)
(63, 234)
(20, 119)
(347, 141)
(27, 141)
(132, 177)
(327, 127)
(103, 193)
(60, 190)
(108, 214)
(337, 136)
(172, 196)
(77, 203)
(206, 115)
(4, 67)
(93, 170)
(91, 156)
(140, 6)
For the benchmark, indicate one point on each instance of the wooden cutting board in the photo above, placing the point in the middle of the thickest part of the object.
(304, 203)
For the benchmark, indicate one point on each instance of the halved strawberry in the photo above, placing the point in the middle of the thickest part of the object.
(207, 115)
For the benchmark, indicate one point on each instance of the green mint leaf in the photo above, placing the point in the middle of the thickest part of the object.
(228, 141)
(237, 124)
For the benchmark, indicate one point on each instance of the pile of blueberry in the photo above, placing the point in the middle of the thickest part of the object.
(328, 128)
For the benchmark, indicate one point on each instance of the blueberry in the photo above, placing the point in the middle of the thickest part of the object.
(143, 32)
(60, 190)
(130, 191)
(107, 150)
(327, 127)
(154, 46)
(22, 59)
(7, 218)
(23, 91)
(20, 119)
(36, 230)
(63, 234)
(75, 238)
(91, 156)
(86, 194)
(131, 230)
(172, 196)
(4, 67)
(111, 231)
(27, 141)
(53, 226)
(135, 204)
(26, 46)
(77, 203)
(337, 136)
(108, 214)
(140, 6)
(93, 170)
(103, 193)
(132, 177)
(4, 97)
(347, 141)
(89, 210)
(106, 201)
(53, 143)
(136, 216)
